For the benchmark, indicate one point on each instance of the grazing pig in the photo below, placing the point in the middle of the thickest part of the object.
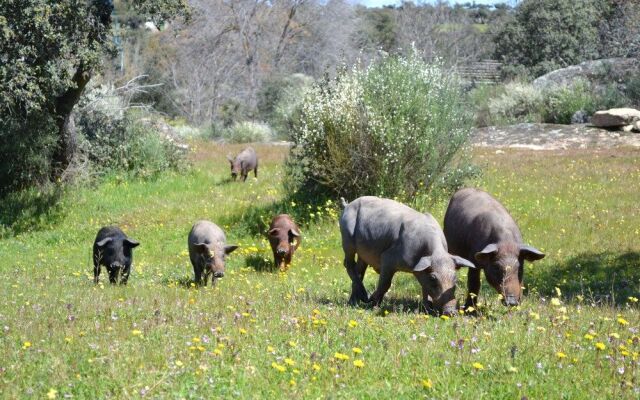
(112, 248)
(244, 162)
(478, 227)
(207, 250)
(284, 237)
(392, 237)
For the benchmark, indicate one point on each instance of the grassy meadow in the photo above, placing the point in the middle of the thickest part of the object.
(260, 333)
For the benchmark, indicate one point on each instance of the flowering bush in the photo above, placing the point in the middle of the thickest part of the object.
(246, 132)
(394, 129)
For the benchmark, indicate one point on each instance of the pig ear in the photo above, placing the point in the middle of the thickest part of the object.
(104, 241)
(132, 242)
(229, 249)
(462, 262)
(487, 253)
(530, 253)
(202, 247)
(294, 232)
(424, 263)
(273, 232)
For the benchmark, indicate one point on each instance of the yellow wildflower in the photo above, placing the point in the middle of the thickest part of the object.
(289, 361)
(26, 345)
(478, 366)
(341, 356)
(278, 367)
(427, 384)
(52, 393)
(358, 363)
(352, 324)
(136, 332)
(357, 350)
(623, 321)
(561, 355)
(600, 346)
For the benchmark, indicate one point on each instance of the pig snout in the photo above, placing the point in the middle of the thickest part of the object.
(510, 300)
(449, 309)
(218, 274)
(281, 252)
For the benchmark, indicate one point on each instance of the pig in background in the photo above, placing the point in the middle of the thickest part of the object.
(478, 227)
(113, 249)
(284, 237)
(208, 250)
(391, 237)
(244, 162)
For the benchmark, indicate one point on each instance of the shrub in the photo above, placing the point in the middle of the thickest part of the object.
(520, 102)
(560, 103)
(246, 132)
(279, 100)
(113, 138)
(394, 129)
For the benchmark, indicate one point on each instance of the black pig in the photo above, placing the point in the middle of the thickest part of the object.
(112, 248)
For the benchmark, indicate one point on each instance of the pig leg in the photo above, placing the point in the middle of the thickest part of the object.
(473, 287)
(125, 275)
(255, 171)
(113, 275)
(387, 270)
(358, 291)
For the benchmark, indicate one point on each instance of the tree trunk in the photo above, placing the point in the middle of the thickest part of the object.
(64, 104)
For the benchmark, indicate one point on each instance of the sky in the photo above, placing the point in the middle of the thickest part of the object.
(380, 3)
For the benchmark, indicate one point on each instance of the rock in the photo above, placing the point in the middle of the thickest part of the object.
(627, 128)
(580, 117)
(615, 117)
(636, 126)
(598, 72)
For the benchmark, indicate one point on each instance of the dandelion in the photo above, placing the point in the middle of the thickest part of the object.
(561, 355)
(52, 393)
(217, 352)
(278, 367)
(179, 363)
(352, 324)
(444, 317)
(427, 384)
(289, 361)
(600, 346)
(341, 356)
(357, 350)
(292, 343)
(292, 382)
(623, 321)
(358, 363)
(270, 349)
(316, 367)
(243, 331)
(478, 366)
(26, 345)
(588, 336)
(136, 332)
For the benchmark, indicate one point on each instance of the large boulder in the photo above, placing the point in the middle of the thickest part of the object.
(598, 72)
(615, 117)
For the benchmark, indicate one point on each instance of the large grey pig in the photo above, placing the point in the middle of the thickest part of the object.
(478, 227)
(244, 162)
(113, 249)
(207, 250)
(391, 237)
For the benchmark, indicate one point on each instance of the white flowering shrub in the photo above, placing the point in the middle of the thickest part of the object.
(520, 102)
(394, 129)
(247, 132)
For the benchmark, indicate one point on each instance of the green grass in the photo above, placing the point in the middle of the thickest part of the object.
(161, 338)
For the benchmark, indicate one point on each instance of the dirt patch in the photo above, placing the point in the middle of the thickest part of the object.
(552, 137)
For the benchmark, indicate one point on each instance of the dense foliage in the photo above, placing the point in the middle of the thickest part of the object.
(49, 51)
(393, 129)
(544, 35)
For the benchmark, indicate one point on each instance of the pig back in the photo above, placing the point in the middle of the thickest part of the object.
(475, 219)
(373, 225)
(248, 157)
(206, 232)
